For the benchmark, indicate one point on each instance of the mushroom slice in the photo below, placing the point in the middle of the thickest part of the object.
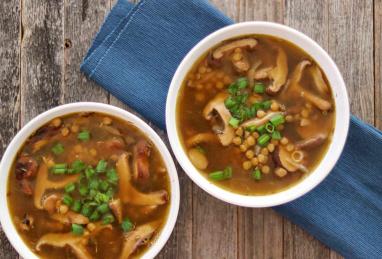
(198, 159)
(138, 237)
(318, 79)
(252, 72)
(70, 218)
(201, 138)
(141, 162)
(258, 122)
(43, 184)
(26, 167)
(116, 207)
(76, 243)
(295, 86)
(279, 73)
(311, 142)
(98, 227)
(224, 132)
(242, 65)
(49, 202)
(242, 43)
(283, 158)
(128, 193)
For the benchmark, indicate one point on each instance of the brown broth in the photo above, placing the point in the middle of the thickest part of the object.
(107, 244)
(198, 89)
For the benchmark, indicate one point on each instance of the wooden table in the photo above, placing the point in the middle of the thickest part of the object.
(42, 43)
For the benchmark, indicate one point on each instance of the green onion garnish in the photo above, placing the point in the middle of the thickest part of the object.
(229, 102)
(101, 198)
(251, 128)
(78, 166)
(58, 149)
(84, 135)
(67, 199)
(266, 104)
(127, 225)
(93, 184)
(221, 175)
(77, 229)
(269, 127)
(107, 219)
(277, 119)
(94, 216)
(261, 129)
(86, 210)
(83, 190)
(242, 82)
(263, 140)
(89, 172)
(276, 135)
(112, 176)
(259, 88)
(234, 122)
(101, 166)
(76, 207)
(103, 208)
(59, 169)
(103, 185)
(256, 175)
(70, 187)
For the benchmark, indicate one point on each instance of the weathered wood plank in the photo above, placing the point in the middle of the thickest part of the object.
(41, 57)
(310, 17)
(260, 231)
(351, 46)
(82, 20)
(378, 62)
(9, 89)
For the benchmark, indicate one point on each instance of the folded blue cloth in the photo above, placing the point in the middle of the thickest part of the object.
(135, 55)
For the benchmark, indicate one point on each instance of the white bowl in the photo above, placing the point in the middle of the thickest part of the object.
(340, 97)
(40, 120)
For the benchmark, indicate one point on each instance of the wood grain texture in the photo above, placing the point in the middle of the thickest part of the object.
(9, 89)
(378, 62)
(82, 20)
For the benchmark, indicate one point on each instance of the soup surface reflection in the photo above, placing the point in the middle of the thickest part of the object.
(88, 185)
(255, 114)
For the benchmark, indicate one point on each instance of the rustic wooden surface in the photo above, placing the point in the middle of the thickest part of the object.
(41, 47)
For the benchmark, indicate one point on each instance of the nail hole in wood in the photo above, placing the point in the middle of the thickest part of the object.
(68, 43)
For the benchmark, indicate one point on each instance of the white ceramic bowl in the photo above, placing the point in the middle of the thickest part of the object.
(340, 97)
(47, 116)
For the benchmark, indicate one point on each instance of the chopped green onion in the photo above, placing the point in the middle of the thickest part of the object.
(233, 88)
(94, 216)
(270, 127)
(256, 175)
(259, 88)
(84, 135)
(110, 193)
(67, 200)
(59, 170)
(70, 187)
(127, 225)
(101, 198)
(89, 172)
(107, 219)
(86, 210)
(103, 185)
(267, 104)
(234, 122)
(229, 102)
(277, 119)
(101, 166)
(251, 128)
(76, 207)
(58, 149)
(77, 229)
(242, 82)
(78, 166)
(258, 106)
(83, 190)
(263, 140)
(93, 184)
(103, 208)
(221, 175)
(92, 194)
(59, 166)
(261, 129)
(276, 135)
(112, 176)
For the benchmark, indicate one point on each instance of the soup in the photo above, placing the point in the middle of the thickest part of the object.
(255, 115)
(88, 185)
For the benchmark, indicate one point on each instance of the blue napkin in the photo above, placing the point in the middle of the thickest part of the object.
(135, 55)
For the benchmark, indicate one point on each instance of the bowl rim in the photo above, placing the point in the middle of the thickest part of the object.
(66, 109)
(340, 96)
